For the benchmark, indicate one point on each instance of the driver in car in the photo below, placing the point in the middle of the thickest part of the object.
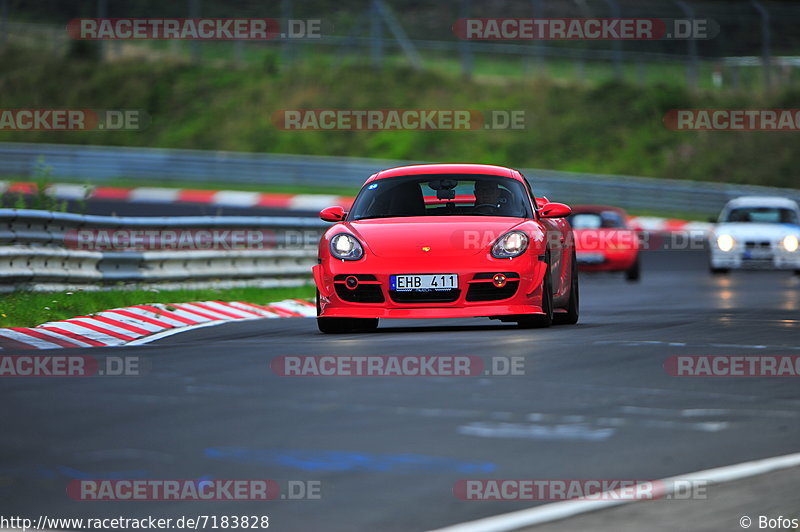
(489, 198)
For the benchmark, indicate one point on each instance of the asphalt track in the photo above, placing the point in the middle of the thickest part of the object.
(594, 402)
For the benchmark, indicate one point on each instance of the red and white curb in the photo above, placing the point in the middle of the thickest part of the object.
(139, 323)
(217, 198)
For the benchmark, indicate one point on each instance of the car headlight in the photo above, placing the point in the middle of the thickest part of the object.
(346, 247)
(512, 244)
(790, 243)
(725, 242)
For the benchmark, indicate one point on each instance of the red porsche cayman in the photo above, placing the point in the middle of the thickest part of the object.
(605, 240)
(446, 241)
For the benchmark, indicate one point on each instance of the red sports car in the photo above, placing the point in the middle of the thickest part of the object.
(605, 240)
(446, 241)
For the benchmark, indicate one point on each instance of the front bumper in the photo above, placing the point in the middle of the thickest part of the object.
(525, 299)
(775, 258)
(606, 261)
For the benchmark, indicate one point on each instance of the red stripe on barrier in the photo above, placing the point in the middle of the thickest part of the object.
(111, 193)
(45, 337)
(197, 196)
(73, 335)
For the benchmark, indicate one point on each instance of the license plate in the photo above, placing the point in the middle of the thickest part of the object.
(439, 281)
(758, 254)
(590, 258)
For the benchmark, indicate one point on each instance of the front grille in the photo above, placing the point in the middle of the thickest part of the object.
(487, 291)
(431, 296)
(757, 245)
(363, 293)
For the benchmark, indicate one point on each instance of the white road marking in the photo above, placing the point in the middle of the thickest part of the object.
(562, 510)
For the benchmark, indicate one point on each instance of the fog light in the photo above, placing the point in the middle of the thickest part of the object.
(351, 282)
(499, 280)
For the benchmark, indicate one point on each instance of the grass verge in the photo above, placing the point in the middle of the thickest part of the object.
(28, 309)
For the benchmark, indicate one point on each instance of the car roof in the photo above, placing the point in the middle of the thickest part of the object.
(420, 169)
(762, 201)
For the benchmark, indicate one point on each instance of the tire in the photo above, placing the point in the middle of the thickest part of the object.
(344, 325)
(540, 321)
(571, 316)
(719, 271)
(797, 272)
(634, 273)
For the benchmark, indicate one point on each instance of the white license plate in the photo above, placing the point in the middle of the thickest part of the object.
(439, 281)
(590, 258)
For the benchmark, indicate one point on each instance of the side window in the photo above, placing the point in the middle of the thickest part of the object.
(531, 197)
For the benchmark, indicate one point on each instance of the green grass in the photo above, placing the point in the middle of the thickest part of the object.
(593, 127)
(28, 309)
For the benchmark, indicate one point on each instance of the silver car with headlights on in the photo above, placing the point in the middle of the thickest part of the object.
(756, 232)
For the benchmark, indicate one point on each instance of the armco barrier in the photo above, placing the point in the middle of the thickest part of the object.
(33, 250)
(98, 164)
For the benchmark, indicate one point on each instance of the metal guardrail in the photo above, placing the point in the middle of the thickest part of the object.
(98, 164)
(34, 249)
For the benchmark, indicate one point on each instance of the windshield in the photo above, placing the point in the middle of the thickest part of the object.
(764, 215)
(597, 220)
(442, 195)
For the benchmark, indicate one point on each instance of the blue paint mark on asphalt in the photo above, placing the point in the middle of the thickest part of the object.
(345, 461)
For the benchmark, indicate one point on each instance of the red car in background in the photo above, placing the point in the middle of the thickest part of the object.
(605, 240)
(446, 241)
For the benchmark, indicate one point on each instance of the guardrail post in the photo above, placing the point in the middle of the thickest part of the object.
(616, 45)
(375, 34)
(691, 64)
(765, 42)
(465, 8)
(194, 12)
(3, 22)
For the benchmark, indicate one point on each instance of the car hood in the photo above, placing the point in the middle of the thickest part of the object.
(451, 236)
(756, 231)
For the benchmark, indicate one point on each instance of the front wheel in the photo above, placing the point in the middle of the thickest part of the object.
(343, 325)
(540, 321)
(570, 317)
(634, 273)
(719, 271)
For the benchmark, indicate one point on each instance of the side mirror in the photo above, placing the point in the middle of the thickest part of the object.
(333, 214)
(555, 210)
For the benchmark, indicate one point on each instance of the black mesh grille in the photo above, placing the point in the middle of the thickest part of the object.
(432, 296)
(363, 293)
